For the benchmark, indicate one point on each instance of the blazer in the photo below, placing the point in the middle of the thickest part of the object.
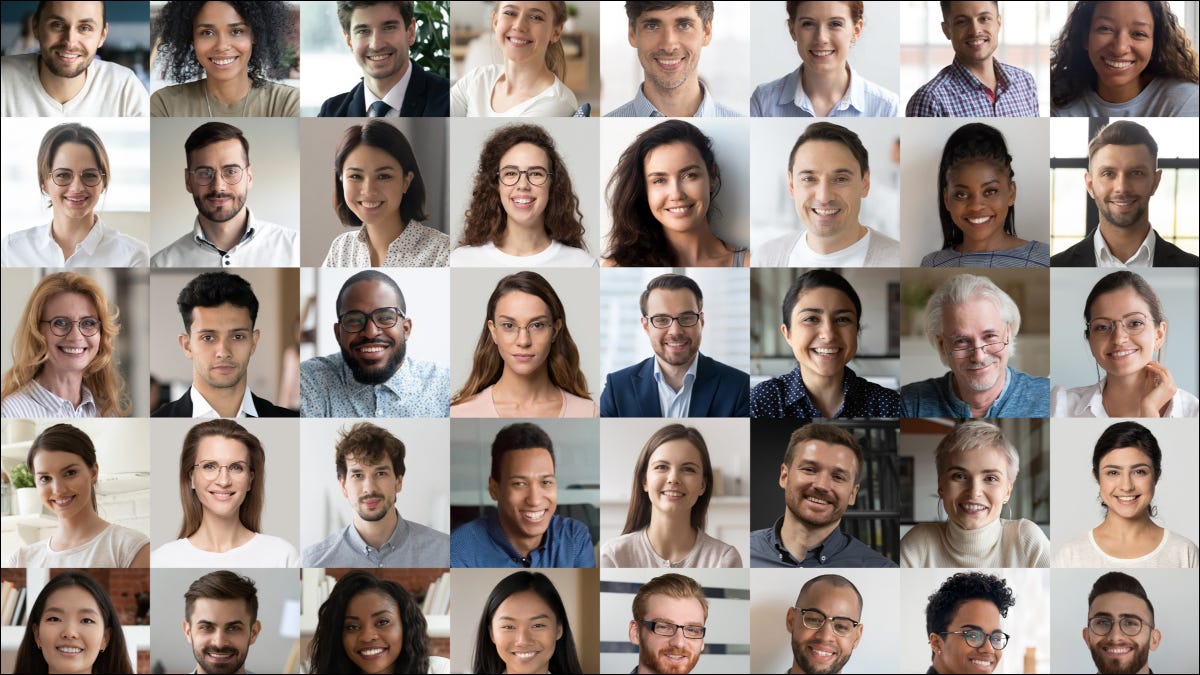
(1083, 254)
(719, 391)
(182, 407)
(428, 95)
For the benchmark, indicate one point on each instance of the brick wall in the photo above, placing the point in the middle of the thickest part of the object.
(123, 587)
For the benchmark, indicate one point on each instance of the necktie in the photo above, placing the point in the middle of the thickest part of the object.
(380, 109)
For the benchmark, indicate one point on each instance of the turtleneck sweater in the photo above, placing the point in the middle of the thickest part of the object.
(1001, 543)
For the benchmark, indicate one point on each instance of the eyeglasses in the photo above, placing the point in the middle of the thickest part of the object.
(1103, 625)
(61, 326)
(355, 321)
(813, 619)
(511, 175)
(231, 175)
(976, 638)
(1133, 324)
(64, 177)
(667, 629)
(991, 349)
(210, 470)
(686, 320)
(536, 328)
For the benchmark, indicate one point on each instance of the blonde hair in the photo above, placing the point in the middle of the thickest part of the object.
(556, 57)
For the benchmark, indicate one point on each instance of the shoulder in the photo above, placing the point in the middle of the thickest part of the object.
(1080, 254)
(284, 99)
(717, 368)
(337, 105)
(935, 258)
(272, 543)
(314, 554)
(1017, 76)
(320, 365)
(863, 555)
(627, 109)
(172, 553)
(767, 95)
(878, 96)
(577, 406)
(775, 252)
(128, 535)
(616, 551)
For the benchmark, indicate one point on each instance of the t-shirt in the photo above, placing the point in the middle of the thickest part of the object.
(557, 254)
(192, 100)
(111, 90)
(471, 96)
(263, 550)
(1082, 551)
(634, 550)
(115, 546)
(1163, 97)
(875, 249)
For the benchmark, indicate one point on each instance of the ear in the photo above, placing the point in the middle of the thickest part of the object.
(399, 483)
(791, 185)
(558, 324)
(185, 343)
(493, 489)
(347, 37)
(103, 37)
(108, 631)
(1157, 180)
(646, 325)
(408, 179)
(406, 326)
(491, 326)
(791, 617)
(634, 634)
(857, 635)
(1155, 638)
(556, 35)
(946, 30)
(249, 177)
(412, 32)
(784, 330)
(783, 475)
(853, 495)
(187, 184)
(707, 33)
(1160, 335)
(560, 633)
(632, 36)
(858, 26)
(337, 331)
(937, 643)
(1007, 494)
(254, 630)
(866, 183)
(254, 341)
(1087, 180)
(792, 30)
(342, 482)
(1012, 193)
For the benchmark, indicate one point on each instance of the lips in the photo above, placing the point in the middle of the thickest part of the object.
(76, 200)
(68, 650)
(222, 495)
(1118, 64)
(525, 656)
(518, 41)
(220, 655)
(668, 62)
(821, 654)
(522, 202)
(534, 516)
(371, 348)
(821, 54)
(382, 56)
(982, 665)
(72, 351)
(371, 653)
(679, 210)
(223, 61)
(62, 502)
(1122, 354)
(370, 205)
(972, 508)
(825, 212)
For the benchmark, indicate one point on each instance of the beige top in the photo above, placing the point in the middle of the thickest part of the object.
(1001, 543)
(634, 550)
(189, 100)
(481, 405)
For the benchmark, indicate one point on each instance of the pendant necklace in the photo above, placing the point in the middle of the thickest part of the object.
(245, 105)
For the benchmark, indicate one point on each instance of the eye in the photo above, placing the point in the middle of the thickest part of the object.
(208, 466)
(1135, 323)
(992, 479)
(352, 176)
(538, 325)
(238, 32)
(806, 23)
(507, 325)
(43, 479)
(51, 619)
(70, 472)
(957, 475)
(844, 321)
(383, 622)
(518, 483)
(684, 25)
(205, 32)
(383, 176)
(990, 191)
(350, 627)
(234, 629)
(547, 483)
(60, 323)
(361, 31)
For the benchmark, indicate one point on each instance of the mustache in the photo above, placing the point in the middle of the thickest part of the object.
(381, 341)
(218, 195)
(370, 496)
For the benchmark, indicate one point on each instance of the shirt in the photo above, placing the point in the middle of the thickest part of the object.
(263, 245)
(786, 397)
(1088, 401)
(1023, 396)
(109, 90)
(875, 249)
(838, 550)
(482, 543)
(203, 410)
(641, 106)
(557, 254)
(956, 92)
(34, 400)
(1030, 254)
(676, 403)
(411, 545)
(785, 97)
(416, 389)
(394, 97)
(417, 246)
(102, 247)
(1143, 257)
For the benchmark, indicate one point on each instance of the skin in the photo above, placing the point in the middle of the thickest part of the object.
(526, 496)
(828, 186)
(222, 496)
(1120, 45)
(67, 357)
(220, 633)
(374, 184)
(525, 204)
(978, 196)
(1121, 179)
(975, 487)
(952, 654)
(221, 206)
(973, 29)
(971, 324)
(74, 205)
(824, 32)
(380, 41)
(823, 334)
(373, 354)
(1127, 483)
(373, 632)
(822, 651)
(220, 343)
(69, 34)
(71, 621)
(525, 631)
(674, 479)
(1136, 384)
(675, 347)
(678, 187)
(64, 483)
(661, 654)
(525, 352)
(819, 485)
(371, 490)
(224, 43)
(668, 43)
(1118, 652)
(524, 31)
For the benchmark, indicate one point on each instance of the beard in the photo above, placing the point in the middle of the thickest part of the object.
(59, 70)
(835, 514)
(374, 374)
(1122, 221)
(807, 667)
(657, 662)
(374, 517)
(220, 214)
(1106, 664)
(233, 665)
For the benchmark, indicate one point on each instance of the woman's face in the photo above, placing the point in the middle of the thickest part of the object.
(64, 482)
(525, 203)
(952, 654)
(74, 352)
(978, 196)
(1127, 482)
(374, 184)
(678, 186)
(222, 476)
(1115, 350)
(525, 29)
(674, 477)
(823, 333)
(76, 165)
(71, 632)
(1120, 45)
(373, 631)
(223, 41)
(523, 331)
(823, 33)
(525, 631)
(975, 487)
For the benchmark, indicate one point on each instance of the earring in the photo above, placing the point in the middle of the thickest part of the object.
(1153, 511)
(1097, 374)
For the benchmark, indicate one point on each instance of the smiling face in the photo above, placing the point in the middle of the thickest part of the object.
(975, 487)
(71, 632)
(222, 495)
(828, 186)
(69, 33)
(374, 184)
(1120, 44)
(371, 487)
(978, 196)
(973, 29)
(380, 41)
(220, 344)
(525, 203)
(524, 30)
(674, 477)
(662, 654)
(71, 353)
(823, 333)
(525, 631)
(1118, 652)
(975, 323)
(678, 186)
(674, 345)
(523, 331)
(1121, 180)
(223, 42)
(823, 33)
(373, 632)
(74, 200)
(1127, 483)
(373, 354)
(820, 484)
(952, 654)
(221, 632)
(526, 495)
(219, 201)
(668, 43)
(64, 482)
(1120, 353)
(822, 651)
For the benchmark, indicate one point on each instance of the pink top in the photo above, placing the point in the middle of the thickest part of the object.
(481, 405)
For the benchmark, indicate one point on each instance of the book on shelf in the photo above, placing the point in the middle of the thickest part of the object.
(18, 617)
(8, 603)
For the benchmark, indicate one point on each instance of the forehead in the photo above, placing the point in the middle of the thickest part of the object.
(366, 603)
(678, 450)
(976, 612)
(519, 303)
(220, 611)
(221, 448)
(1120, 302)
(525, 604)
(824, 157)
(1126, 456)
(822, 297)
(527, 462)
(975, 313)
(74, 11)
(1132, 12)
(221, 153)
(50, 461)
(529, 6)
(72, 599)
(676, 13)
(69, 304)
(380, 12)
(672, 157)
(1117, 603)
(823, 10)
(1122, 156)
(830, 599)
(683, 611)
(225, 315)
(970, 9)
(671, 299)
(217, 13)
(72, 153)
(976, 171)
(525, 154)
(361, 462)
(979, 459)
(364, 155)
(821, 453)
(369, 295)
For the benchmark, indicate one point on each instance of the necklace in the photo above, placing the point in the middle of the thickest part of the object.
(245, 105)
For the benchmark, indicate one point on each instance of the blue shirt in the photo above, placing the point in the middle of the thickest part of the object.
(785, 97)
(481, 543)
(416, 389)
(641, 106)
(676, 403)
(411, 545)
(956, 92)
(1023, 396)
(786, 397)
(838, 550)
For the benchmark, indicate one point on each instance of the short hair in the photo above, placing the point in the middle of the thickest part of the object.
(382, 135)
(835, 580)
(856, 9)
(971, 143)
(826, 433)
(1127, 435)
(638, 516)
(214, 132)
(813, 279)
(487, 659)
(671, 585)
(37, 13)
(114, 659)
(369, 275)
(974, 435)
(345, 10)
(960, 289)
(834, 133)
(1115, 281)
(221, 585)
(946, 7)
(213, 289)
(71, 132)
(65, 438)
(704, 8)
(250, 513)
(1119, 582)
(519, 436)
(671, 282)
(368, 443)
(1123, 132)
(960, 588)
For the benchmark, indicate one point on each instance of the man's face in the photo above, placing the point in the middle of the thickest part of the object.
(70, 33)
(526, 495)
(675, 344)
(828, 186)
(668, 42)
(663, 654)
(975, 323)
(822, 651)
(1121, 180)
(221, 632)
(220, 344)
(820, 483)
(1118, 652)
(380, 42)
(371, 486)
(973, 28)
(219, 201)
(373, 354)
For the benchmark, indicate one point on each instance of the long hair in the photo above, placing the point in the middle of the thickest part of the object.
(29, 347)
(637, 238)
(487, 660)
(270, 23)
(1115, 281)
(114, 658)
(971, 142)
(556, 56)
(563, 363)
(1071, 72)
(381, 134)
(250, 512)
(485, 218)
(65, 438)
(326, 653)
(638, 516)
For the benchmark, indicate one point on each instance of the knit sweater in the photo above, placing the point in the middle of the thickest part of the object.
(1002, 543)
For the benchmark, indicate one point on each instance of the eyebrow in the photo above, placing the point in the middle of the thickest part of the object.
(514, 166)
(72, 465)
(543, 317)
(386, 24)
(64, 19)
(838, 170)
(378, 168)
(1105, 17)
(210, 622)
(234, 24)
(83, 610)
(510, 5)
(985, 331)
(373, 615)
(1139, 465)
(963, 468)
(986, 182)
(532, 618)
(690, 167)
(527, 476)
(818, 310)
(235, 329)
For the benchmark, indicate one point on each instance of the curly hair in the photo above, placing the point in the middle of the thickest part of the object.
(638, 516)
(960, 588)
(250, 512)
(326, 653)
(113, 659)
(1071, 71)
(485, 220)
(270, 22)
(969, 143)
(486, 659)
(29, 351)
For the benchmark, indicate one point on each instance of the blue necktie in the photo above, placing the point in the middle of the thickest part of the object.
(380, 109)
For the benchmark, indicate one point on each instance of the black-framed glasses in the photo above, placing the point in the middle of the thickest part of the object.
(991, 349)
(813, 619)
(355, 321)
(210, 469)
(1130, 625)
(61, 325)
(64, 177)
(1133, 324)
(976, 638)
(231, 175)
(667, 629)
(687, 320)
(511, 175)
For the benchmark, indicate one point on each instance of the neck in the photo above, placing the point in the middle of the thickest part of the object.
(1120, 527)
(67, 386)
(61, 89)
(377, 533)
(228, 91)
(526, 389)
(218, 534)
(1123, 242)
(79, 528)
(798, 538)
(825, 88)
(696, 247)
(837, 242)
(530, 76)
(380, 236)
(225, 235)
(682, 101)
(1122, 394)
(69, 232)
(985, 70)
(672, 374)
(227, 401)
(521, 240)
(381, 86)
(980, 401)
(1125, 92)
(826, 391)
(671, 535)
(998, 242)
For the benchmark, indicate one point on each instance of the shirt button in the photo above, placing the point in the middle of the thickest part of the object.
(822, 559)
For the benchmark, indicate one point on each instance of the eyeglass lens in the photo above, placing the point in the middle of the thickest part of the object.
(211, 470)
(687, 320)
(511, 175)
(1102, 625)
(61, 326)
(230, 174)
(975, 638)
(669, 629)
(64, 177)
(1133, 324)
(355, 321)
(813, 620)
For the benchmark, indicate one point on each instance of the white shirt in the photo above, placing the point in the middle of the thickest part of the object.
(110, 90)
(115, 546)
(102, 247)
(1089, 402)
(263, 550)
(202, 410)
(34, 400)
(394, 97)
(263, 245)
(557, 254)
(676, 403)
(1143, 257)
(471, 96)
(417, 246)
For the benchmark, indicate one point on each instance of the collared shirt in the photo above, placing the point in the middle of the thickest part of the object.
(838, 550)
(411, 545)
(417, 246)
(1088, 401)
(416, 389)
(641, 106)
(786, 97)
(34, 400)
(394, 97)
(676, 403)
(482, 543)
(102, 247)
(1023, 396)
(263, 245)
(956, 92)
(1143, 257)
(787, 397)
(202, 410)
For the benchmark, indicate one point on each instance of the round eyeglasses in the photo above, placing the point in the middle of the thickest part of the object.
(231, 175)
(1133, 324)
(667, 629)
(64, 177)
(355, 321)
(1103, 625)
(511, 175)
(976, 638)
(813, 619)
(210, 469)
(61, 325)
(687, 320)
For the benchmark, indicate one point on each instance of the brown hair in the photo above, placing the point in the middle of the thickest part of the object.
(826, 433)
(556, 56)
(671, 585)
(250, 512)
(65, 438)
(704, 8)
(345, 11)
(368, 443)
(71, 132)
(1123, 132)
(222, 585)
(381, 134)
(671, 282)
(1115, 281)
(856, 9)
(638, 516)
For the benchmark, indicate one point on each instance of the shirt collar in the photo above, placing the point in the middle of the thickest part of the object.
(644, 108)
(1008, 380)
(802, 391)
(689, 375)
(395, 383)
(855, 97)
(1144, 256)
(360, 545)
(1001, 77)
(50, 400)
(198, 232)
(833, 544)
(202, 408)
(90, 243)
(497, 535)
(395, 96)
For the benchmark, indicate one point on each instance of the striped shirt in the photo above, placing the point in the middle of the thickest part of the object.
(34, 400)
(641, 106)
(956, 92)
(1029, 254)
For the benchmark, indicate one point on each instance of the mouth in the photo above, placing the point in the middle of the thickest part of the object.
(372, 502)
(73, 351)
(1118, 64)
(222, 495)
(1127, 500)
(524, 358)
(67, 650)
(1117, 651)
(673, 494)
(978, 222)
(818, 502)
(372, 348)
(1121, 354)
(677, 346)
(535, 516)
(525, 656)
(669, 62)
(75, 200)
(977, 41)
(825, 213)
(1122, 204)
(219, 199)
(974, 368)
(69, 57)
(825, 353)
(62, 502)
(518, 41)
(972, 509)
(382, 56)
(821, 654)
(983, 665)
(523, 202)
(223, 61)
(679, 211)
(372, 652)
(369, 206)
(220, 656)
(820, 54)
(675, 657)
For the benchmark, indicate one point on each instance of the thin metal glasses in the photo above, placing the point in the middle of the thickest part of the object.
(64, 177)
(991, 349)
(535, 328)
(61, 325)
(1133, 324)
(231, 175)
(813, 619)
(667, 629)
(210, 469)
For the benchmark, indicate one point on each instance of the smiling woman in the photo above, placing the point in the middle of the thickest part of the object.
(524, 629)
(73, 627)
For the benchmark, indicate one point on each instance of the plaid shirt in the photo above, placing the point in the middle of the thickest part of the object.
(956, 92)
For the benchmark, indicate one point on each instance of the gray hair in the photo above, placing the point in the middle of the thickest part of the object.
(974, 435)
(958, 290)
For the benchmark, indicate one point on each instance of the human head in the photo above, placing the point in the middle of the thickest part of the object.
(856, 9)
(565, 659)
(269, 24)
(668, 31)
(835, 601)
(976, 469)
(813, 279)
(222, 308)
(969, 144)
(523, 483)
(58, 136)
(250, 512)
(1122, 174)
(1128, 435)
(819, 474)
(365, 292)
(973, 30)
(1117, 599)
(824, 34)
(113, 657)
(672, 599)
(69, 33)
(380, 29)
(1126, 133)
(1121, 296)
(376, 471)
(69, 439)
(555, 57)
(220, 612)
(634, 9)
(963, 602)
(385, 136)
(828, 177)
(966, 311)
(213, 289)
(832, 133)
(328, 652)
(214, 132)
(218, 148)
(678, 297)
(640, 505)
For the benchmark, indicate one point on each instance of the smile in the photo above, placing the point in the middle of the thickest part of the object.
(524, 656)
(379, 57)
(981, 663)
(826, 351)
(519, 42)
(1122, 354)
(669, 63)
(73, 351)
(818, 502)
(371, 349)
(674, 494)
(76, 200)
(370, 205)
(222, 496)
(69, 650)
(1117, 65)
(534, 516)
(979, 221)
(522, 201)
(825, 213)
(821, 54)
(972, 508)
(371, 652)
(679, 210)
(1131, 499)
(223, 61)
(975, 42)
(821, 653)
(62, 502)
(1118, 651)
(220, 656)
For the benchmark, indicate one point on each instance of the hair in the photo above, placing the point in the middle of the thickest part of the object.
(671, 585)
(214, 132)
(519, 436)
(704, 9)
(213, 289)
(972, 436)
(835, 580)
(37, 14)
(345, 10)
(1071, 72)
(65, 438)
(270, 24)
(970, 143)
(556, 56)
(637, 238)
(671, 282)
(826, 433)
(1123, 132)
(71, 132)
(486, 220)
(1119, 582)
(1127, 435)
(638, 516)
(959, 289)
(114, 658)
(486, 658)
(29, 351)
(1122, 279)
(326, 654)
(828, 131)
(222, 585)
(856, 9)
(946, 7)
(368, 443)
(562, 364)
(960, 588)
(250, 512)
(372, 276)
(381, 134)
(814, 279)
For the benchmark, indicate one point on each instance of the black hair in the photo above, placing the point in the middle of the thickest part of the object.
(971, 142)
(213, 289)
(960, 588)
(818, 279)
(270, 22)
(327, 654)
(834, 133)
(369, 275)
(113, 659)
(1127, 435)
(486, 658)
(1119, 582)
(214, 132)
(519, 436)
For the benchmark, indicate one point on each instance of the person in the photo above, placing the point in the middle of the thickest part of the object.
(669, 36)
(828, 178)
(972, 325)
(523, 211)
(73, 173)
(63, 349)
(963, 623)
(530, 81)
(377, 188)
(219, 311)
(1122, 176)
(524, 530)
(660, 194)
(1123, 59)
(832, 599)
(63, 460)
(222, 485)
(73, 608)
(220, 612)
(1119, 309)
(370, 468)
(526, 364)
(976, 83)
(825, 84)
(524, 628)
(678, 381)
(669, 613)
(380, 34)
(976, 205)
(373, 375)
(668, 507)
(977, 467)
(226, 233)
(1127, 463)
(238, 47)
(822, 316)
(63, 77)
(1120, 632)
(820, 477)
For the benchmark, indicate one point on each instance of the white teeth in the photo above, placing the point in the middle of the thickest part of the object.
(818, 501)
(1119, 65)
(369, 205)
(379, 57)
(679, 209)
(374, 651)
(979, 221)
(668, 64)
(672, 493)
(825, 212)
(1126, 352)
(821, 652)
(519, 42)
(827, 351)
(63, 501)
(225, 61)
(74, 351)
(1127, 500)
(534, 515)
(826, 52)
(1118, 650)
(70, 650)
(524, 655)
(982, 664)
(371, 349)
(973, 508)
(522, 201)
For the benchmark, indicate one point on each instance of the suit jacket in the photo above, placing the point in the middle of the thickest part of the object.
(719, 391)
(428, 95)
(1083, 254)
(182, 407)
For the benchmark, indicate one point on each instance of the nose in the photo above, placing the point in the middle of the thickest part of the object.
(223, 347)
(1121, 41)
(368, 485)
(821, 480)
(678, 640)
(524, 336)
(670, 37)
(370, 329)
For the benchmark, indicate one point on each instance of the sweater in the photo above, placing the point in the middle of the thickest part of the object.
(1001, 543)
(634, 550)
(1082, 551)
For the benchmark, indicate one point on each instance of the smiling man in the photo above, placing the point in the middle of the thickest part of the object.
(221, 621)
(825, 625)
(669, 613)
(1120, 631)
